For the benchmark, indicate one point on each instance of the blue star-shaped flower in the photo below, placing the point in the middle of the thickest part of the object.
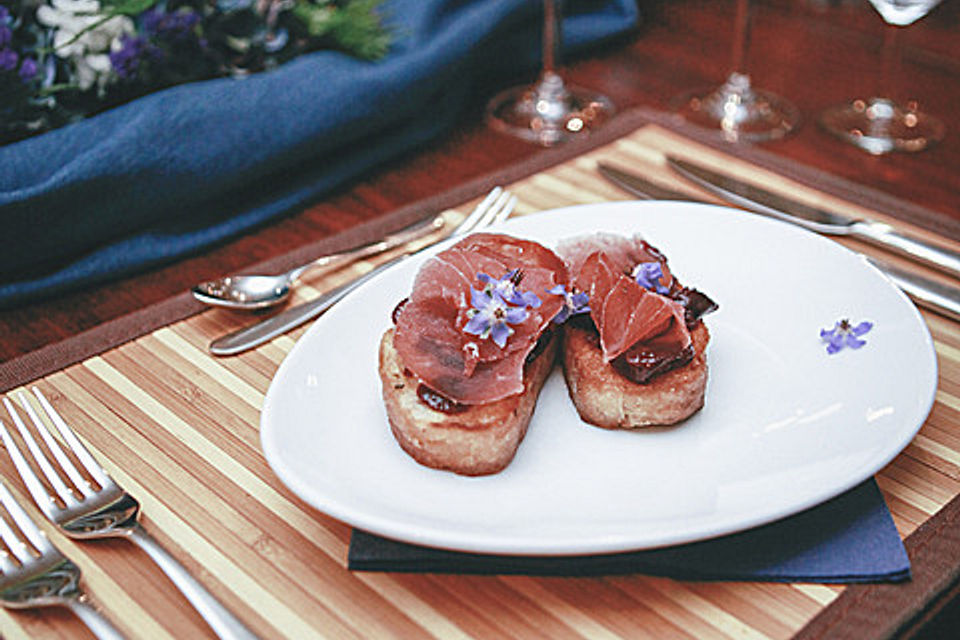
(574, 303)
(648, 274)
(491, 316)
(508, 288)
(844, 334)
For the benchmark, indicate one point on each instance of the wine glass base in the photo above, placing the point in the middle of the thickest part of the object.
(879, 126)
(549, 112)
(738, 112)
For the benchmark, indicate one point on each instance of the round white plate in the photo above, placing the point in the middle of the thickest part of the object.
(785, 427)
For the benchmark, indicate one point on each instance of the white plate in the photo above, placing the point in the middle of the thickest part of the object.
(785, 427)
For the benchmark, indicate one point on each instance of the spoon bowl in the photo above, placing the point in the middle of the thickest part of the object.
(245, 292)
(252, 292)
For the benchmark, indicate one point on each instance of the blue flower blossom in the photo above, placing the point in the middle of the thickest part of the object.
(491, 316)
(648, 275)
(499, 304)
(8, 59)
(574, 302)
(28, 69)
(508, 287)
(127, 59)
(63, 61)
(171, 25)
(844, 334)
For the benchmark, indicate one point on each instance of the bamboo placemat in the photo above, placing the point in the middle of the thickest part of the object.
(179, 429)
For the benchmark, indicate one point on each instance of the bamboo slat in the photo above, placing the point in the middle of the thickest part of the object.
(179, 428)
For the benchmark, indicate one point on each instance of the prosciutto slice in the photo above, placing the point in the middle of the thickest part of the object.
(626, 314)
(430, 337)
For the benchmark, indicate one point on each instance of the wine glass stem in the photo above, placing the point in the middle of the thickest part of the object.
(551, 35)
(741, 36)
(890, 61)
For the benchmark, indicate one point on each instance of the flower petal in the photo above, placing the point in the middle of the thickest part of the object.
(862, 328)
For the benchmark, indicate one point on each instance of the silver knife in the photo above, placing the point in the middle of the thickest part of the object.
(928, 293)
(641, 187)
(768, 203)
(255, 335)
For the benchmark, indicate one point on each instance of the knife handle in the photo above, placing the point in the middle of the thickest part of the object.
(884, 235)
(255, 335)
(936, 296)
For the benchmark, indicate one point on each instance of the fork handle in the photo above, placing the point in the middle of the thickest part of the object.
(98, 623)
(223, 623)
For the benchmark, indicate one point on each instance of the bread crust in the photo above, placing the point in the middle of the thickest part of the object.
(480, 439)
(607, 399)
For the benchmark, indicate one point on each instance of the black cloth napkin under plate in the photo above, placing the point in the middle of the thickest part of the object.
(851, 538)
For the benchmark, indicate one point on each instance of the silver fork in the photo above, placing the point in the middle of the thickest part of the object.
(496, 207)
(42, 576)
(98, 513)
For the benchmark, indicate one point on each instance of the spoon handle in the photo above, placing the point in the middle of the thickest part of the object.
(413, 232)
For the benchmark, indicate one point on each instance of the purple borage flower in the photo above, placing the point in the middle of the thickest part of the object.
(500, 304)
(648, 274)
(574, 302)
(28, 69)
(491, 316)
(508, 287)
(844, 334)
(8, 59)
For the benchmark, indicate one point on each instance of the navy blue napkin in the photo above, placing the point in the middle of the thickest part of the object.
(851, 538)
(179, 170)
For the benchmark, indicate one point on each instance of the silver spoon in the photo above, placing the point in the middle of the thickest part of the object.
(261, 291)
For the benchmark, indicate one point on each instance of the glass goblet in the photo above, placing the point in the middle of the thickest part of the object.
(550, 111)
(880, 124)
(736, 110)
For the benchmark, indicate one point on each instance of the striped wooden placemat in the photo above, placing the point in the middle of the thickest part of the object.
(179, 429)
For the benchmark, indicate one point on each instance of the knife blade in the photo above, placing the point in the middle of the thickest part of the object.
(926, 292)
(762, 201)
(641, 187)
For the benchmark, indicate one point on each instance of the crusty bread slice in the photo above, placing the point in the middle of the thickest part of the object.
(479, 439)
(606, 399)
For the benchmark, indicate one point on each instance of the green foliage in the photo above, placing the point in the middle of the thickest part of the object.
(356, 26)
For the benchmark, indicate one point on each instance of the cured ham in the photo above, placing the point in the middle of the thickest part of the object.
(643, 328)
(430, 327)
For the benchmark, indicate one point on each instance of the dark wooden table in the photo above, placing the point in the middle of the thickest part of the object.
(815, 52)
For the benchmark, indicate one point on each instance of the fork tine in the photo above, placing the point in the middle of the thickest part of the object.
(507, 209)
(53, 446)
(83, 455)
(491, 214)
(37, 490)
(475, 216)
(14, 543)
(26, 525)
(30, 479)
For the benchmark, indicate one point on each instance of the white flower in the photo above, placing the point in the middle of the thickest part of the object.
(83, 37)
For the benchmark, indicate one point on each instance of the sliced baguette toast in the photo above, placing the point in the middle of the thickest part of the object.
(474, 440)
(607, 399)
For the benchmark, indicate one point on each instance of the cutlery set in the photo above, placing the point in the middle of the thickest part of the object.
(934, 295)
(494, 208)
(82, 510)
(85, 503)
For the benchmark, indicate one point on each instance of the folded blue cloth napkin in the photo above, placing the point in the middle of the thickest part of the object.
(849, 539)
(184, 168)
